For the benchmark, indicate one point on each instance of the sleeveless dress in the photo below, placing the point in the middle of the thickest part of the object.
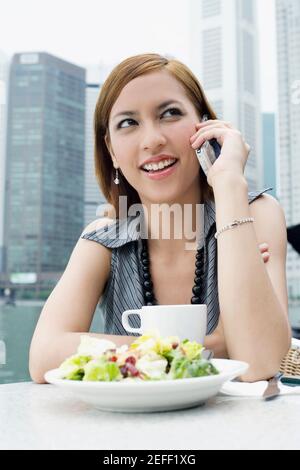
(123, 289)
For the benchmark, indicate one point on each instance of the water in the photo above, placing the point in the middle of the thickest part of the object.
(17, 324)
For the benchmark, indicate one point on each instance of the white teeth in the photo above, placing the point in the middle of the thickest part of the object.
(158, 166)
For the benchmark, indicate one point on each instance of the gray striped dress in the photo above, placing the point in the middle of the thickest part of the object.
(123, 289)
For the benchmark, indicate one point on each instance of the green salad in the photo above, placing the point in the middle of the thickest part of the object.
(149, 357)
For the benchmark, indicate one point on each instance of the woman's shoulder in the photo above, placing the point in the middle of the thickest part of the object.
(113, 233)
(97, 224)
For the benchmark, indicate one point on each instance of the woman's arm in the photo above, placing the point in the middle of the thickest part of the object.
(69, 310)
(252, 296)
(216, 340)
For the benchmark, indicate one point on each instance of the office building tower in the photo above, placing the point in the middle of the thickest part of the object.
(4, 64)
(44, 200)
(269, 152)
(93, 197)
(224, 56)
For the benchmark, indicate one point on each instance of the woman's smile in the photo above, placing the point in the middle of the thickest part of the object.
(163, 173)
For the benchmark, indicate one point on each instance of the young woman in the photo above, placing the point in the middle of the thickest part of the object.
(148, 116)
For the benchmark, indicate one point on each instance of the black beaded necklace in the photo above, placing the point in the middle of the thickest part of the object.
(197, 290)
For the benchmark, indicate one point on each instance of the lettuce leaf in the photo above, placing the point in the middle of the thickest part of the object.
(182, 367)
(191, 349)
(95, 347)
(101, 370)
(73, 367)
(153, 342)
(153, 366)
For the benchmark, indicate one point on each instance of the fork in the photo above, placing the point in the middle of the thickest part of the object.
(272, 390)
(207, 354)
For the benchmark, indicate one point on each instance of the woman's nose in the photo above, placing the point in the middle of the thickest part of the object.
(152, 137)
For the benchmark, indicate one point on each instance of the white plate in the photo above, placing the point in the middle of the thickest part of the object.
(244, 389)
(254, 389)
(148, 396)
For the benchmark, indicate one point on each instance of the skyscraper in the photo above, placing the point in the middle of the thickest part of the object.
(269, 152)
(288, 62)
(44, 206)
(3, 115)
(224, 55)
(92, 193)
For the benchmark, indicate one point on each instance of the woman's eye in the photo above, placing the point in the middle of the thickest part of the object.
(125, 120)
(175, 111)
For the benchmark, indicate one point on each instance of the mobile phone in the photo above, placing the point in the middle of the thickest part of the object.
(208, 152)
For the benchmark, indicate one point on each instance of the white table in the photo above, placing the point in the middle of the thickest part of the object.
(43, 417)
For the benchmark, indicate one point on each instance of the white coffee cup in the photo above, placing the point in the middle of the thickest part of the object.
(185, 321)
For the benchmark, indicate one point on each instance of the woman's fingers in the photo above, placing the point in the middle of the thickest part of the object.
(266, 257)
(206, 128)
(217, 132)
(264, 249)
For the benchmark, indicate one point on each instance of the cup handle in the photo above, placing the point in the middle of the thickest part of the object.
(125, 322)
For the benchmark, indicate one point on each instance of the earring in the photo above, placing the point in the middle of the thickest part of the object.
(116, 180)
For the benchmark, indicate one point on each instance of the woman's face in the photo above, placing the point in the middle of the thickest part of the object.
(152, 131)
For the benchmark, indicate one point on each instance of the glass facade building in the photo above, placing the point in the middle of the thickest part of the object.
(44, 191)
(224, 56)
(3, 115)
(269, 152)
(93, 197)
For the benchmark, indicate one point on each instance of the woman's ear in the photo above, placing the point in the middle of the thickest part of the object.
(107, 142)
(115, 163)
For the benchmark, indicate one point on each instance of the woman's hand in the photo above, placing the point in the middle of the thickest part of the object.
(235, 150)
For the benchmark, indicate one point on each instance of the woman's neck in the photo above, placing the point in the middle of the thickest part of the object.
(174, 227)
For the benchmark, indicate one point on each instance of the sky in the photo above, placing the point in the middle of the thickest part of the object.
(106, 32)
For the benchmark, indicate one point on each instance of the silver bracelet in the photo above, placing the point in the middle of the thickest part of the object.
(235, 223)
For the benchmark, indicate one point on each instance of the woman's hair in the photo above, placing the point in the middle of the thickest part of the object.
(120, 76)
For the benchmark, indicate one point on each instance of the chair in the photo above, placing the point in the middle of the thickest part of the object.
(290, 365)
